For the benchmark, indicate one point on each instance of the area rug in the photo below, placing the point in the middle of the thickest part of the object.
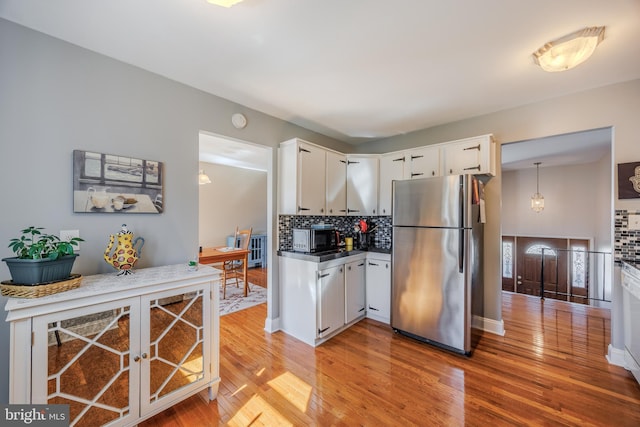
(236, 300)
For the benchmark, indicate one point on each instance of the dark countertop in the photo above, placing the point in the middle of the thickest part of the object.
(329, 255)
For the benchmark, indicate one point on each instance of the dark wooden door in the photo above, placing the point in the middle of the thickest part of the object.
(534, 263)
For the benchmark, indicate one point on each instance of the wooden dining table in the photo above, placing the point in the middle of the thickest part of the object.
(220, 254)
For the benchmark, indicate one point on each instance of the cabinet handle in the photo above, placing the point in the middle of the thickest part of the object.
(401, 159)
(373, 263)
(477, 147)
(144, 355)
(321, 210)
(362, 309)
(343, 210)
(360, 265)
(450, 171)
(323, 330)
(384, 211)
(416, 157)
(343, 161)
(386, 266)
(322, 276)
(349, 162)
(416, 174)
(303, 150)
(475, 167)
(373, 308)
(374, 211)
(300, 208)
(330, 210)
(349, 268)
(136, 359)
(433, 173)
(352, 210)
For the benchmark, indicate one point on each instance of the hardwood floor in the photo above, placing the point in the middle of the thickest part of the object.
(548, 369)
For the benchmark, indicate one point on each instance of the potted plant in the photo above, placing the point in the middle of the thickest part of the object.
(40, 257)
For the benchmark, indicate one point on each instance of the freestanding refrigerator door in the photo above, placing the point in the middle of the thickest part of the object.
(430, 296)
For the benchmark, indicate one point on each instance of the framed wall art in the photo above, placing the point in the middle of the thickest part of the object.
(629, 180)
(107, 183)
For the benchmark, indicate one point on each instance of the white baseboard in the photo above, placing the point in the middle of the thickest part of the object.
(488, 325)
(272, 325)
(615, 356)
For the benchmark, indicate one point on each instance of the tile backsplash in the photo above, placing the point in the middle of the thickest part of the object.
(627, 242)
(344, 224)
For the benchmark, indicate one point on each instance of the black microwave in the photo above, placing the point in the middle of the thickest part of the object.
(314, 240)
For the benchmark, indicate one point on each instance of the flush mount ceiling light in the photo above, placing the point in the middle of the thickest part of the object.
(203, 178)
(569, 51)
(537, 201)
(224, 3)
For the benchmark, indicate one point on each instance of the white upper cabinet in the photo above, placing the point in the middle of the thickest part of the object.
(470, 156)
(424, 162)
(362, 185)
(301, 178)
(393, 166)
(336, 183)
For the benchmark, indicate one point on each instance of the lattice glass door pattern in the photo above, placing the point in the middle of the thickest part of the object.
(87, 362)
(176, 347)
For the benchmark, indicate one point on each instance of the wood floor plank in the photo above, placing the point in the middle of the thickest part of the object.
(548, 369)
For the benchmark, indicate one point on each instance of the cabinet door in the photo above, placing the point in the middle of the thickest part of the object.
(174, 357)
(354, 282)
(330, 294)
(378, 290)
(311, 179)
(392, 167)
(362, 185)
(424, 162)
(85, 358)
(469, 156)
(336, 183)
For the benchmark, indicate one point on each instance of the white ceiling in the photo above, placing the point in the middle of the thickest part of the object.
(225, 151)
(354, 70)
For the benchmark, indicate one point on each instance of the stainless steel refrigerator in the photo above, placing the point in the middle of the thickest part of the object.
(436, 260)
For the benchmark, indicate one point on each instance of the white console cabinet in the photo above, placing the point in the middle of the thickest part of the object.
(118, 349)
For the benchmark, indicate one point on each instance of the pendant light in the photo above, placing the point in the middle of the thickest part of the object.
(537, 201)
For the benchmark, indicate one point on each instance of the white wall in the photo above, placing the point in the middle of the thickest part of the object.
(570, 196)
(235, 197)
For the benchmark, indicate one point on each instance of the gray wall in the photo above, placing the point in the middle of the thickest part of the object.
(616, 106)
(57, 97)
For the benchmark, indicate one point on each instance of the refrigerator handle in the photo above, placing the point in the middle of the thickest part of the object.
(461, 250)
(462, 200)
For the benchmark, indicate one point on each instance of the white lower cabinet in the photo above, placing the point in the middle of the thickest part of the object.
(330, 293)
(316, 296)
(379, 288)
(354, 290)
(118, 350)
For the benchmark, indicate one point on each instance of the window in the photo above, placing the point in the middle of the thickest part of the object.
(507, 259)
(537, 250)
(578, 266)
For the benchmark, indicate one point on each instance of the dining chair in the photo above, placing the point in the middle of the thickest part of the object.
(233, 270)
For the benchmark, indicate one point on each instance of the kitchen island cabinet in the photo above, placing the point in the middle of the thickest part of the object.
(117, 349)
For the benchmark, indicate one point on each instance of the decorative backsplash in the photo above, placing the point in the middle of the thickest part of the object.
(344, 224)
(627, 242)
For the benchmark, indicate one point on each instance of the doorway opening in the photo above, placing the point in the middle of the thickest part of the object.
(564, 250)
(236, 197)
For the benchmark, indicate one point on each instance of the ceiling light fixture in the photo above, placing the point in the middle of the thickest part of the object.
(224, 3)
(203, 178)
(537, 201)
(569, 51)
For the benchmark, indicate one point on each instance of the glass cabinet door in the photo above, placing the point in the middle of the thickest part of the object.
(175, 359)
(82, 358)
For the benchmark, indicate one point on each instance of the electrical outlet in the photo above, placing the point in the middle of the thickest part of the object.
(70, 234)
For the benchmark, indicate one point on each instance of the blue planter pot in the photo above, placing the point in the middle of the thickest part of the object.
(37, 271)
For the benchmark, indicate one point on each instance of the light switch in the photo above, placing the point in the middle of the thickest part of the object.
(634, 222)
